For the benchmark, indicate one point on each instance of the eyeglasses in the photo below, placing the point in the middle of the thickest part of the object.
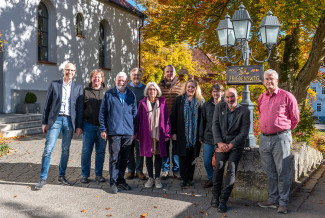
(270, 79)
(70, 70)
(152, 89)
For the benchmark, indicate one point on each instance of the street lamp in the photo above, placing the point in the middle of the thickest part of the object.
(238, 29)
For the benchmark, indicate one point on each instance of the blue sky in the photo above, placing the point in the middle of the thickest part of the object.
(131, 2)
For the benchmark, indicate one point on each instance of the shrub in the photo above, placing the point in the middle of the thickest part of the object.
(305, 129)
(30, 98)
(4, 147)
(318, 143)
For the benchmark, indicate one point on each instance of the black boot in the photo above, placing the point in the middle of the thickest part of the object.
(222, 207)
(215, 201)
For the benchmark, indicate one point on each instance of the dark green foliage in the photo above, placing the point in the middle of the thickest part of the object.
(4, 148)
(30, 98)
(305, 130)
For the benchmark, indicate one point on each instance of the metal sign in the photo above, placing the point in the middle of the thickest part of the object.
(245, 75)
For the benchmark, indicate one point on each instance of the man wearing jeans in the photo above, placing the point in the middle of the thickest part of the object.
(62, 111)
(117, 118)
(279, 114)
(136, 164)
(170, 87)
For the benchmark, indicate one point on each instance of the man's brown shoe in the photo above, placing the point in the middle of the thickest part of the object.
(282, 209)
(208, 184)
(129, 175)
(141, 176)
(267, 204)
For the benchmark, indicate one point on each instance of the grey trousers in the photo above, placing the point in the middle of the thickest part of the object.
(275, 152)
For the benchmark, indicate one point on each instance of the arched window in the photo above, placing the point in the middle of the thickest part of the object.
(102, 45)
(43, 32)
(79, 25)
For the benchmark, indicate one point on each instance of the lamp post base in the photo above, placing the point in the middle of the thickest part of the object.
(246, 101)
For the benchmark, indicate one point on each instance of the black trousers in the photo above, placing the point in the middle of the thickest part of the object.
(119, 150)
(233, 157)
(149, 164)
(187, 165)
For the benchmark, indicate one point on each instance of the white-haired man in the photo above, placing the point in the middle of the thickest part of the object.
(117, 118)
(279, 114)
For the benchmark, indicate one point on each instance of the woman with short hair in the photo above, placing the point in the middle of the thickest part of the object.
(206, 136)
(153, 129)
(93, 95)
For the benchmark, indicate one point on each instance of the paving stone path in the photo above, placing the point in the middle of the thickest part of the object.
(19, 172)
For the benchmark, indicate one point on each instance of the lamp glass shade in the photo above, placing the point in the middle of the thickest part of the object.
(242, 29)
(222, 35)
(226, 37)
(269, 34)
(231, 37)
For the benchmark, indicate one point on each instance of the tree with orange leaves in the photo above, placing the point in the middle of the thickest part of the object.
(301, 45)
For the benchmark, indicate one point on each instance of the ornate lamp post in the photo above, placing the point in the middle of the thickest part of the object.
(238, 30)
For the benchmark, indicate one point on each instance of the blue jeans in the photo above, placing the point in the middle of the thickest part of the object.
(137, 164)
(91, 136)
(175, 159)
(208, 151)
(64, 124)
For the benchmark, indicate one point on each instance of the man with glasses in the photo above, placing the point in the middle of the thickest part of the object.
(136, 165)
(279, 114)
(62, 112)
(117, 119)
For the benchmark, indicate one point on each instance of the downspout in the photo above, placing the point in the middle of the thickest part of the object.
(139, 44)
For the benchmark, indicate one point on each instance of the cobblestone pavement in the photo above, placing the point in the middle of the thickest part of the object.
(19, 172)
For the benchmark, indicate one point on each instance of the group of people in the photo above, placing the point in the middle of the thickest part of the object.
(147, 120)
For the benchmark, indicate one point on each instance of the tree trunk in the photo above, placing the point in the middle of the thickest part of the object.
(290, 64)
(311, 67)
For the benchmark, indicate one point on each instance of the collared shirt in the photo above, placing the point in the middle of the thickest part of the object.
(139, 86)
(278, 112)
(121, 96)
(65, 104)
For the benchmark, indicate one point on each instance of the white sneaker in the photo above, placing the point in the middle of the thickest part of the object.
(149, 183)
(158, 183)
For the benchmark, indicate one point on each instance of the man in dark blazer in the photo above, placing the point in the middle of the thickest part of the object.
(230, 127)
(62, 111)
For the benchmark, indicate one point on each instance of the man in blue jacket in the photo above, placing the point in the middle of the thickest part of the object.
(62, 111)
(117, 118)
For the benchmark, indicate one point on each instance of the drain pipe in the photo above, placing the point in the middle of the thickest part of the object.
(139, 50)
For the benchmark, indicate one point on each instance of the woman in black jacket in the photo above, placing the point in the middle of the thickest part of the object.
(206, 136)
(185, 121)
(93, 95)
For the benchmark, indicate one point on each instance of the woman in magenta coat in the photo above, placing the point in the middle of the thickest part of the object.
(153, 129)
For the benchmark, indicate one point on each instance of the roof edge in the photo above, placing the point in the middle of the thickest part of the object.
(132, 10)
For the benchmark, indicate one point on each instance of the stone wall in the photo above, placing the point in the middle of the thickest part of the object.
(251, 180)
